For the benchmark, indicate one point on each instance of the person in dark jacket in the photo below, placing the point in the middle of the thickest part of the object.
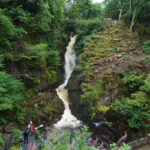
(25, 135)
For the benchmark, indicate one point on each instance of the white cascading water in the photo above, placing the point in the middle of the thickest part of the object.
(68, 120)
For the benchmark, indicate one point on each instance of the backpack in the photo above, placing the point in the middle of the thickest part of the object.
(32, 128)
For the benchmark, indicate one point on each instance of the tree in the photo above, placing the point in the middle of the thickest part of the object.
(6, 37)
(137, 9)
(10, 95)
(135, 13)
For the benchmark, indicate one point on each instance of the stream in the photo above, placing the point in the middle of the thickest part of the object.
(67, 120)
(104, 131)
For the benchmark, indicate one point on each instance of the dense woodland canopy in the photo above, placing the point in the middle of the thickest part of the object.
(33, 37)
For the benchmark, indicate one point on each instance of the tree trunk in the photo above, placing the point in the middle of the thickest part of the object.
(134, 16)
(133, 21)
(120, 14)
(130, 5)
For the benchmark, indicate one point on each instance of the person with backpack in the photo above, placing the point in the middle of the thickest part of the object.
(31, 127)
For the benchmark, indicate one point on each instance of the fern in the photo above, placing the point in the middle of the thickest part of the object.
(146, 47)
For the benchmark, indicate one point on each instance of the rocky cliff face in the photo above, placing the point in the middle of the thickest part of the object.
(110, 56)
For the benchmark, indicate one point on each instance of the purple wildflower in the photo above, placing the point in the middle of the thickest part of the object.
(83, 134)
(61, 135)
(29, 147)
(95, 141)
(71, 146)
(89, 139)
(48, 138)
(100, 147)
(123, 138)
(34, 146)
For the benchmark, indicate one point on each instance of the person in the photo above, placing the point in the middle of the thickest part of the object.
(25, 134)
(31, 127)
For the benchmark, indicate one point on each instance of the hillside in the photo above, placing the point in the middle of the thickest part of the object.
(109, 80)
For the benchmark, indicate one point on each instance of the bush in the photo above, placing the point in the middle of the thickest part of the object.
(16, 136)
(146, 86)
(84, 29)
(91, 97)
(134, 110)
(146, 47)
(123, 147)
(132, 82)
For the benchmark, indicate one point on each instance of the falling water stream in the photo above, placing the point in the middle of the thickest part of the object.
(99, 129)
(67, 120)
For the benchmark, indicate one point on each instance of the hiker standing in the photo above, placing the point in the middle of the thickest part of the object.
(32, 128)
(25, 135)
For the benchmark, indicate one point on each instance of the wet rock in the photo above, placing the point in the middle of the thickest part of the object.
(110, 72)
(26, 75)
(96, 71)
(9, 128)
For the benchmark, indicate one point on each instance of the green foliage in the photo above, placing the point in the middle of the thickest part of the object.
(18, 15)
(10, 91)
(137, 8)
(1, 142)
(16, 147)
(123, 147)
(146, 86)
(132, 82)
(135, 110)
(10, 95)
(1, 60)
(16, 136)
(91, 97)
(83, 9)
(7, 33)
(146, 47)
(60, 140)
(111, 8)
(147, 59)
(84, 30)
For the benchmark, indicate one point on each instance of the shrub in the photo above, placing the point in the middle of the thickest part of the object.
(84, 30)
(123, 147)
(134, 110)
(146, 86)
(146, 47)
(91, 97)
(16, 136)
(132, 82)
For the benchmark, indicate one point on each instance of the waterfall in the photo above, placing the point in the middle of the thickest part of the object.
(67, 120)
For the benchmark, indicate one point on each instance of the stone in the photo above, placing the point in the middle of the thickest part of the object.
(35, 105)
(119, 55)
(148, 135)
(110, 72)
(9, 128)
